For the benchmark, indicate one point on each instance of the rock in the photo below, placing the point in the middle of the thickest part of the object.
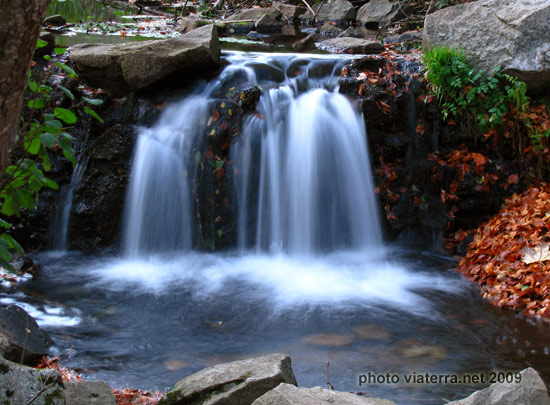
(255, 14)
(286, 394)
(290, 12)
(351, 45)
(380, 11)
(330, 30)
(530, 391)
(369, 63)
(55, 21)
(21, 335)
(512, 34)
(268, 24)
(409, 36)
(188, 23)
(338, 11)
(20, 384)
(89, 393)
(238, 382)
(124, 68)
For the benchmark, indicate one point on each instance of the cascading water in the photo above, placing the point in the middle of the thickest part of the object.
(314, 190)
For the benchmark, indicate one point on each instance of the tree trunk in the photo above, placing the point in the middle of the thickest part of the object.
(20, 22)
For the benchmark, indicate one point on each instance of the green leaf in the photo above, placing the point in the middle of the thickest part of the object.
(12, 243)
(219, 164)
(4, 224)
(33, 147)
(67, 92)
(54, 126)
(67, 69)
(8, 208)
(93, 101)
(51, 184)
(60, 51)
(25, 198)
(220, 233)
(41, 43)
(33, 86)
(65, 115)
(48, 140)
(36, 104)
(6, 257)
(91, 112)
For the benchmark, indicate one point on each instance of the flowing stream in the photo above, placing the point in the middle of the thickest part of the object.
(309, 275)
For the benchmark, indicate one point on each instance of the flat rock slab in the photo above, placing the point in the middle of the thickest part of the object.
(235, 383)
(124, 68)
(351, 45)
(286, 394)
(530, 391)
(89, 392)
(21, 385)
(512, 34)
(20, 336)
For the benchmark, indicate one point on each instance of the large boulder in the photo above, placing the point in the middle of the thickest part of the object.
(124, 68)
(512, 34)
(380, 12)
(25, 385)
(531, 390)
(238, 382)
(21, 339)
(287, 394)
(338, 11)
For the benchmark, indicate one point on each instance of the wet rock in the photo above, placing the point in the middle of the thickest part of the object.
(124, 68)
(21, 337)
(341, 12)
(239, 382)
(55, 21)
(351, 45)
(25, 385)
(530, 391)
(351, 32)
(268, 24)
(287, 394)
(369, 63)
(512, 34)
(89, 393)
(380, 12)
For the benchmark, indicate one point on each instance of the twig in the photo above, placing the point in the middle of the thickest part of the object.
(319, 9)
(429, 8)
(329, 385)
(309, 8)
(112, 303)
(45, 388)
(403, 11)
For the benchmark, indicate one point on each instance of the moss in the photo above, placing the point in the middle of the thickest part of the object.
(50, 398)
(171, 398)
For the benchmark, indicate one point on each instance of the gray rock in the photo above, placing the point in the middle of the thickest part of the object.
(20, 384)
(289, 11)
(330, 30)
(286, 394)
(351, 45)
(305, 44)
(255, 14)
(124, 68)
(380, 11)
(530, 391)
(512, 34)
(339, 11)
(89, 393)
(55, 20)
(351, 32)
(188, 23)
(21, 337)
(235, 383)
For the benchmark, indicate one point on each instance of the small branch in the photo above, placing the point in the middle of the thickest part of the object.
(329, 385)
(45, 388)
(309, 8)
(319, 9)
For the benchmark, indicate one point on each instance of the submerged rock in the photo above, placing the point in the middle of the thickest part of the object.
(25, 385)
(21, 339)
(530, 391)
(239, 382)
(128, 67)
(511, 34)
(286, 394)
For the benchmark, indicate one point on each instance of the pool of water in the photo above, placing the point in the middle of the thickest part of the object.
(149, 322)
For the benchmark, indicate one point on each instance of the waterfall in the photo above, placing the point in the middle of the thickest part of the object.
(303, 181)
(60, 225)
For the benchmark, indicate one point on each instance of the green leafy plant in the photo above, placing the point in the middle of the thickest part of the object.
(43, 131)
(478, 99)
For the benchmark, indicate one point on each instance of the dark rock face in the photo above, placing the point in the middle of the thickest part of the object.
(21, 337)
